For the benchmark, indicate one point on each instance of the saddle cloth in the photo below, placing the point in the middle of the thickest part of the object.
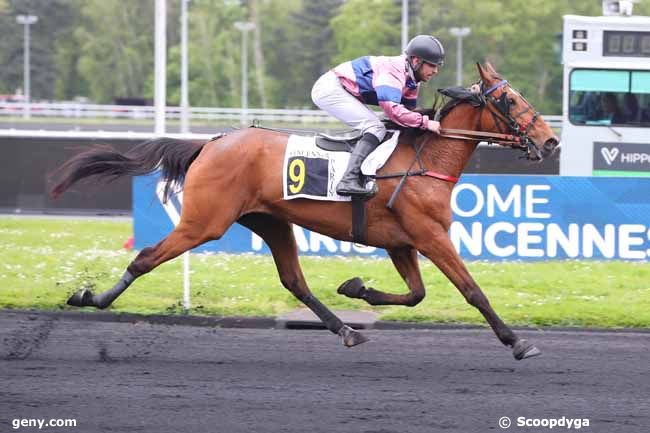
(311, 172)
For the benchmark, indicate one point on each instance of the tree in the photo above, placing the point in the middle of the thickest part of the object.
(116, 45)
(312, 47)
(278, 43)
(68, 82)
(367, 27)
(525, 54)
(214, 53)
(105, 48)
(260, 63)
(55, 19)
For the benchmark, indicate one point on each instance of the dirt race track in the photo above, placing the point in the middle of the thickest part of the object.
(141, 377)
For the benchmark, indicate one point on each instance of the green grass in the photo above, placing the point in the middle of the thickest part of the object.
(43, 261)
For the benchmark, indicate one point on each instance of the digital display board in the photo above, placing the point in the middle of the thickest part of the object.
(626, 44)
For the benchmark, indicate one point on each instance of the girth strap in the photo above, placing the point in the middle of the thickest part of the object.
(440, 176)
(359, 221)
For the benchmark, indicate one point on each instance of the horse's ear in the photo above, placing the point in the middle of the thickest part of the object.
(490, 68)
(485, 75)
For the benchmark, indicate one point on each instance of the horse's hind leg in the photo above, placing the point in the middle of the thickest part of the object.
(181, 239)
(202, 219)
(406, 263)
(278, 235)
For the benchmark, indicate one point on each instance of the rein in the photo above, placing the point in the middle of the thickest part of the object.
(491, 137)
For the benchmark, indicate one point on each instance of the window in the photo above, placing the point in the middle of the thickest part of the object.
(609, 97)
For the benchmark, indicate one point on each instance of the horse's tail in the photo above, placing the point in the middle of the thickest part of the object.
(103, 162)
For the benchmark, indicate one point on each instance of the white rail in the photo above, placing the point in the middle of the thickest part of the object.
(85, 111)
(73, 110)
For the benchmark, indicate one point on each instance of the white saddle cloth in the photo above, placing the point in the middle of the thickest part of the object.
(318, 171)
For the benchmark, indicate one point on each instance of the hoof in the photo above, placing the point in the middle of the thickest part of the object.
(83, 298)
(351, 337)
(523, 349)
(352, 288)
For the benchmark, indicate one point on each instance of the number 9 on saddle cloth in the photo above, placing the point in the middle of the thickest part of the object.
(313, 166)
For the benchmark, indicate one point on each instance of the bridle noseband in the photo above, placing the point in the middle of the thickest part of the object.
(503, 116)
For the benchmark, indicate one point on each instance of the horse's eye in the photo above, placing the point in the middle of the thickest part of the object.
(512, 101)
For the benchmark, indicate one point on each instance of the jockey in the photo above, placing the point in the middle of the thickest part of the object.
(390, 82)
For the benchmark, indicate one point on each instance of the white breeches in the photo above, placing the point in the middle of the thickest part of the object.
(330, 96)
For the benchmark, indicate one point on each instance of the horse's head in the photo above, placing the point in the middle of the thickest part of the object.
(507, 111)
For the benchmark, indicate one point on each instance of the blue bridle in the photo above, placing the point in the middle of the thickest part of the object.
(496, 86)
(520, 131)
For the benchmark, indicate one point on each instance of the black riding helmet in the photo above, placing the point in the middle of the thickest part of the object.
(427, 48)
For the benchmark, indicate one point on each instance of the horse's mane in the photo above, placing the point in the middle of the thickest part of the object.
(444, 105)
(437, 104)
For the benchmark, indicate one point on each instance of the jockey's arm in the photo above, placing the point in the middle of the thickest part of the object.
(390, 98)
(401, 115)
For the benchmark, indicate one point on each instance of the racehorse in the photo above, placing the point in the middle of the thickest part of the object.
(238, 178)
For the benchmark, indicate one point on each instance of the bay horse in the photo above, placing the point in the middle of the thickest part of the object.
(238, 178)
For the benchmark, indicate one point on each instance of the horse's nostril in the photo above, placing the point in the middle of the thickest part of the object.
(549, 146)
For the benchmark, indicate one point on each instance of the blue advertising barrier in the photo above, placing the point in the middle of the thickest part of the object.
(502, 217)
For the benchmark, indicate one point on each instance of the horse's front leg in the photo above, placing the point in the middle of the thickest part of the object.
(434, 243)
(406, 262)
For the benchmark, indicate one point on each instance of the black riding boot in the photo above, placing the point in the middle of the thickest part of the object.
(351, 184)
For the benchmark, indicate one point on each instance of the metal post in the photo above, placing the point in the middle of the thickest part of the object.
(405, 23)
(244, 27)
(26, 20)
(26, 76)
(160, 77)
(460, 33)
(244, 80)
(186, 280)
(185, 125)
(459, 61)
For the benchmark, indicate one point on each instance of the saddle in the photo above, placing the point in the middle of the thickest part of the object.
(336, 144)
(341, 144)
